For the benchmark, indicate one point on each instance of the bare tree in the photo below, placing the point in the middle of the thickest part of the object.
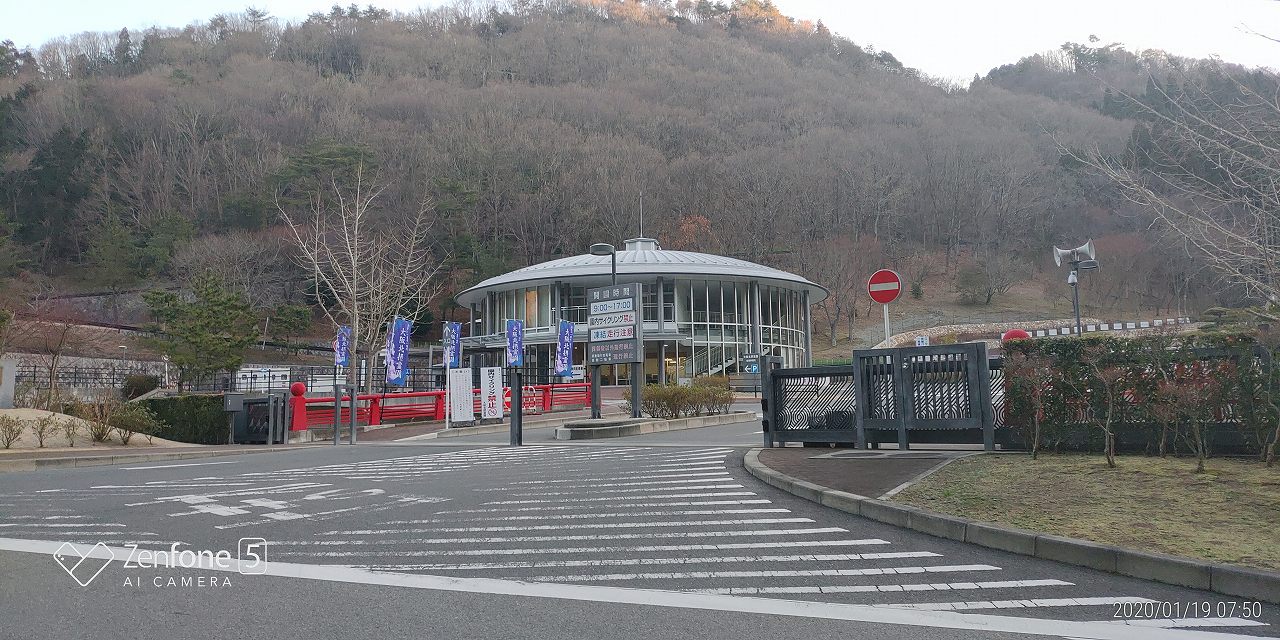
(1208, 168)
(373, 266)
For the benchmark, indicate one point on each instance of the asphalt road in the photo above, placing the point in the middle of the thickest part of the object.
(644, 537)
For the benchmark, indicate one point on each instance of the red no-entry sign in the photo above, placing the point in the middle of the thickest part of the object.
(884, 286)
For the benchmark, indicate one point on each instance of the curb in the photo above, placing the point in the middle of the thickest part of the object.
(652, 426)
(1184, 572)
(34, 464)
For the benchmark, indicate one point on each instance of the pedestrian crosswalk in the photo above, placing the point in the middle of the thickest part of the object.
(676, 520)
(657, 518)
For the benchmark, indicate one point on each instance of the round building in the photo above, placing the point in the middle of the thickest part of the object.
(702, 313)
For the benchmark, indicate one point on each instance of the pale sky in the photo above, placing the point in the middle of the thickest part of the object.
(942, 38)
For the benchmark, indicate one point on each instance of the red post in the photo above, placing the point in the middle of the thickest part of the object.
(298, 407)
(375, 410)
(548, 396)
(439, 398)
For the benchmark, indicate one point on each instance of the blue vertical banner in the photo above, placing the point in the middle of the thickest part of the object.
(342, 347)
(564, 349)
(515, 343)
(397, 354)
(453, 344)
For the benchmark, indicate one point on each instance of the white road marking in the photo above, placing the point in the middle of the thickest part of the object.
(564, 527)
(575, 507)
(1016, 604)
(696, 575)
(171, 466)
(889, 588)
(684, 600)
(565, 550)
(624, 498)
(723, 477)
(597, 536)
(623, 562)
(597, 516)
(644, 477)
(637, 490)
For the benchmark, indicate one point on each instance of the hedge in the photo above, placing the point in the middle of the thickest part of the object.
(1157, 394)
(707, 395)
(196, 419)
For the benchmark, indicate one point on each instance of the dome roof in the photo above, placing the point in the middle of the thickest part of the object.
(642, 257)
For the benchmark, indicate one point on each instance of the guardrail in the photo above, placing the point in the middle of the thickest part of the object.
(379, 408)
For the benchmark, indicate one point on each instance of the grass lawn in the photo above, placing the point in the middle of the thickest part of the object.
(1230, 513)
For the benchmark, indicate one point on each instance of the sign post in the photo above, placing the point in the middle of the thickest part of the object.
(616, 336)
(515, 360)
(884, 286)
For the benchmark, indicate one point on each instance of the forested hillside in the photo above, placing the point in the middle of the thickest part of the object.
(129, 159)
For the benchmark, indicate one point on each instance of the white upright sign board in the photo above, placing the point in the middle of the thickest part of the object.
(490, 392)
(461, 400)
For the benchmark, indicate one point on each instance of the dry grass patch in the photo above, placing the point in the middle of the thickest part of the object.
(1229, 513)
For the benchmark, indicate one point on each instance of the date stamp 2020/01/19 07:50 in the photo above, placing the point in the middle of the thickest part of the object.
(1190, 609)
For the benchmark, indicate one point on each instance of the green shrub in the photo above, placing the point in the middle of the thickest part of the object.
(196, 419)
(706, 396)
(138, 384)
(134, 418)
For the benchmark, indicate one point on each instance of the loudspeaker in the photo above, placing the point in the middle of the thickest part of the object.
(1072, 255)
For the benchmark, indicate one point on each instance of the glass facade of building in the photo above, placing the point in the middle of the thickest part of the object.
(692, 327)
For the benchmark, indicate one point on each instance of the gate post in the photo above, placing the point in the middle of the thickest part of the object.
(984, 399)
(768, 401)
(901, 374)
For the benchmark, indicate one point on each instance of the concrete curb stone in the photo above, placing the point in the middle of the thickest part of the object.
(1187, 572)
(651, 426)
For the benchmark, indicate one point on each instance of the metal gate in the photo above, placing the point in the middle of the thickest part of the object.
(913, 394)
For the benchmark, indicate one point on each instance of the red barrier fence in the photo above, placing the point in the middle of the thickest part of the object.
(377, 408)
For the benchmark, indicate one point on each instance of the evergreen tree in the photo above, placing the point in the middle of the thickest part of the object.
(205, 334)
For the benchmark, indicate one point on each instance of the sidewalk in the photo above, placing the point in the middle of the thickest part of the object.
(860, 472)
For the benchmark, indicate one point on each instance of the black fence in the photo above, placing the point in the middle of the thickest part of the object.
(942, 393)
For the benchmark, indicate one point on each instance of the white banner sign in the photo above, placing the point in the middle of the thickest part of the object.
(461, 400)
(613, 306)
(490, 392)
(612, 320)
(615, 333)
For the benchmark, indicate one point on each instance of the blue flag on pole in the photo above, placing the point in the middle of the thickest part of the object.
(453, 344)
(564, 349)
(515, 343)
(397, 357)
(342, 347)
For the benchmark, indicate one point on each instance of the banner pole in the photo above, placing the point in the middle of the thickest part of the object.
(448, 363)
